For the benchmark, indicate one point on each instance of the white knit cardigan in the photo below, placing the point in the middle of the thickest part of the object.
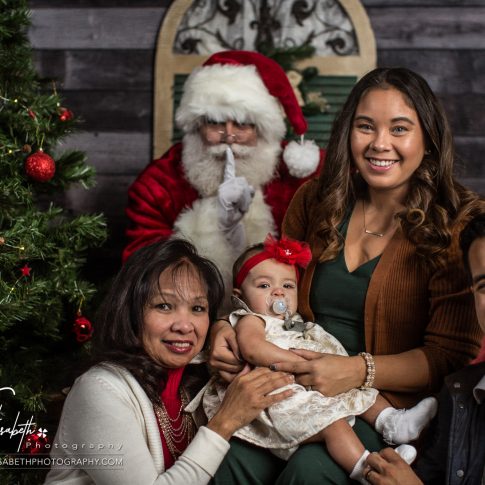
(109, 430)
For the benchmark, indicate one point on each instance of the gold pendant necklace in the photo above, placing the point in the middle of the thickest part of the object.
(368, 231)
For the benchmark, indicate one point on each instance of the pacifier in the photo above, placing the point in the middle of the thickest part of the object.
(279, 307)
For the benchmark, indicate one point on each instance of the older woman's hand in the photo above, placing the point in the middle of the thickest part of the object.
(327, 373)
(388, 468)
(224, 351)
(247, 395)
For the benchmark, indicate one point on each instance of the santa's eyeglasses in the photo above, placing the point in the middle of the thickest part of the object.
(228, 130)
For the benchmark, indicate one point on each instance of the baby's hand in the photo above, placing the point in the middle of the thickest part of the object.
(224, 351)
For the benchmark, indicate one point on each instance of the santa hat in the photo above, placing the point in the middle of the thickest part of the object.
(246, 86)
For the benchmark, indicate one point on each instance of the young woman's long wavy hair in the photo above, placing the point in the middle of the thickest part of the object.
(435, 199)
(118, 336)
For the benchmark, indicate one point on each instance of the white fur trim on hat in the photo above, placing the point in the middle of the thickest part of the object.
(301, 158)
(233, 92)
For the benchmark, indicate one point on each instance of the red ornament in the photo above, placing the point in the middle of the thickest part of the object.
(35, 442)
(65, 114)
(83, 329)
(40, 166)
(31, 114)
(25, 270)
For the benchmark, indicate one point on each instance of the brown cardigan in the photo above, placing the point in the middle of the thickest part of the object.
(408, 305)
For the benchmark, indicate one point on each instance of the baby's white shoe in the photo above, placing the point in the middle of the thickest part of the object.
(407, 452)
(404, 425)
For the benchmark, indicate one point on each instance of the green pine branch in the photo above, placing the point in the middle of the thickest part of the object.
(43, 247)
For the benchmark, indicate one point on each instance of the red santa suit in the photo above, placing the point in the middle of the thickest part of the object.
(177, 194)
(161, 196)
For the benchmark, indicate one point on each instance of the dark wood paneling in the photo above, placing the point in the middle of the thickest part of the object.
(466, 113)
(95, 28)
(444, 69)
(110, 194)
(422, 3)
(428, 27)
(106, 28)
(98, 3)
(474, 184)
(97, 69)
(111, 110)
(471, 152)
(113, 153)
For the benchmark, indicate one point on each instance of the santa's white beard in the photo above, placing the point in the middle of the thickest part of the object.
(204, 164)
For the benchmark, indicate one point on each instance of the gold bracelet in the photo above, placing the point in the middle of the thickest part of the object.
(370, 370)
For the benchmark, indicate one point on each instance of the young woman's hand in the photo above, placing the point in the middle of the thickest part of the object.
(247, 395)
(327, 373)
(224, 351)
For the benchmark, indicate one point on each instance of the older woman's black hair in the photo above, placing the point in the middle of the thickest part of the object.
(475, 229)
(435, 199)
(119, 326)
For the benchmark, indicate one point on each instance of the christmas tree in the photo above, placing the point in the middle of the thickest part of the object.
(43, 296)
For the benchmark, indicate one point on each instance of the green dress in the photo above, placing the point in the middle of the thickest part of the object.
(332, 285)
(311, 464)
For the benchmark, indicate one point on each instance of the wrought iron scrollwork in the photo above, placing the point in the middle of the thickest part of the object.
(301, 11)
(230, 9)
(263, 25)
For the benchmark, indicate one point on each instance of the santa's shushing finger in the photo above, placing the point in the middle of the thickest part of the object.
(230, 167)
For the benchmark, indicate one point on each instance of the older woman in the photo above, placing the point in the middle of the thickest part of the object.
(386, 279)
(123, 421)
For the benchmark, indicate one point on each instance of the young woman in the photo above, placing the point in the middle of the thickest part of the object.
(382, 221)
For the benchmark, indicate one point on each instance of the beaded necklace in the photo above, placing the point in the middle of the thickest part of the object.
(176, 435)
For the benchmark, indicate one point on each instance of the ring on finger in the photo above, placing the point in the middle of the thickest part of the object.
(366, 476)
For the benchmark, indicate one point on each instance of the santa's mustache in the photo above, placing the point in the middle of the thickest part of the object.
(239, 151)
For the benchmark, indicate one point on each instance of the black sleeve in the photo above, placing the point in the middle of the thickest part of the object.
(432, 463)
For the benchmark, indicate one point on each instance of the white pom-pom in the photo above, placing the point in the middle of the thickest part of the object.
(302, 159)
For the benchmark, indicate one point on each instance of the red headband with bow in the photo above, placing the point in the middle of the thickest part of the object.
(284, 250)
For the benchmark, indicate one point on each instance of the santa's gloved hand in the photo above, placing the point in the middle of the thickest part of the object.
(234, 199)
(234, 195)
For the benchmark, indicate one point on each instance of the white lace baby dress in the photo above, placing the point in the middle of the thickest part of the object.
(283, 426)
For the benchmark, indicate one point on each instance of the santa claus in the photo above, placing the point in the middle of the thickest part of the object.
(226, 185)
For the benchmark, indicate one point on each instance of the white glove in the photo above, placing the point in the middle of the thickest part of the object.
(234, 198)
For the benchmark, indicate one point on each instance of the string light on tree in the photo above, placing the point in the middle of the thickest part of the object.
(3, 242)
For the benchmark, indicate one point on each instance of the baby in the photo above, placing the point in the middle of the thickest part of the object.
(267, 326)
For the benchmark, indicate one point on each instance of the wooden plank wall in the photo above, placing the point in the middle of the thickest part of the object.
(101, 54)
